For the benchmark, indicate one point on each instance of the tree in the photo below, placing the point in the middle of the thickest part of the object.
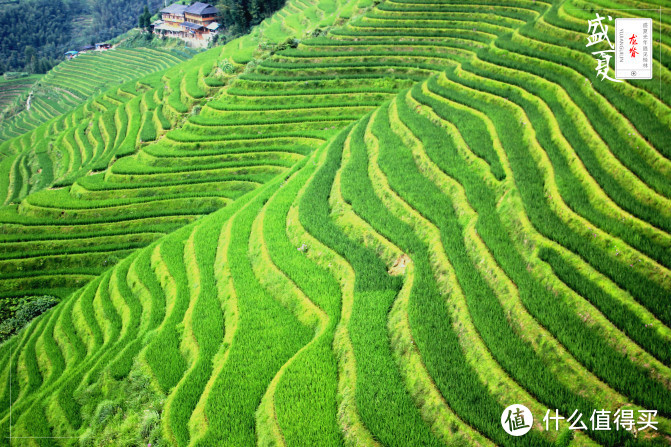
(31, 59)
(29, 52)
(237, 16)
(145, 18)
(255, 11)
(42, 66)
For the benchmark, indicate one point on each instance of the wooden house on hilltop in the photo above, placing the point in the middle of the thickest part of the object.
(173, 15)
(201, 14)
(197, 22)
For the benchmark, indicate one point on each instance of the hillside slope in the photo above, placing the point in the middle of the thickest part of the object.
(413, 222)
(73, 82)
(35, 33)
(56, 239)
(14, 91)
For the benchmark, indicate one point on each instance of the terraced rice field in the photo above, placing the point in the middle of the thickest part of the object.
(12, 90)
(73, 82)
(384, 236)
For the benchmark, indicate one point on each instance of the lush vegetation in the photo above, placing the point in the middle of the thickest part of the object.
(360, 224)
(34, 34)
(113, 17)
(238, 15)
(74, 82)
(14, 92)
(16, 314)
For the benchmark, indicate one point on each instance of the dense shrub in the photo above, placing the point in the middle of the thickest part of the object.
(16, 314)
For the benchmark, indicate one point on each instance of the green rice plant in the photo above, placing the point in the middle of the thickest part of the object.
(203, 322)
(618, 269)
(160, 207)
(149, 100)
(32, 372)
(640, 156)
(141, 305)
(383, 221)
(179, 135)
(607, 220)
(272, 323)
(148, 129)
(637, 384)
(23, 250)
(370, 291)
(191, 85)
(437, 107)
(631, 323)
(234, 165)
(8, 378)
(515, 10)
(93, 331)
(83, 143)
(255, 341)
(635, 111)
(512, 21)
(174, 98)
(71, 345)
(55, 359)
(128, 145)
(286, 281)
(488, 315)
(163, 120)
(162, 352)
(120, 125)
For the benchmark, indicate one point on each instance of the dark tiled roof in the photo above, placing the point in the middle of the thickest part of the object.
(175, 8)
(191, 25)
(201, 9)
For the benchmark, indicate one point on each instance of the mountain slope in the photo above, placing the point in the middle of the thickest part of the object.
(447, 219)
(58, 238)
(73, 82)
(35, 33)
(15, 90)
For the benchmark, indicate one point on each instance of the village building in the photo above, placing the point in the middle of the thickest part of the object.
(195, 23)
(173, 15)
(172, 19)
(201, 14)
(85, 49)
